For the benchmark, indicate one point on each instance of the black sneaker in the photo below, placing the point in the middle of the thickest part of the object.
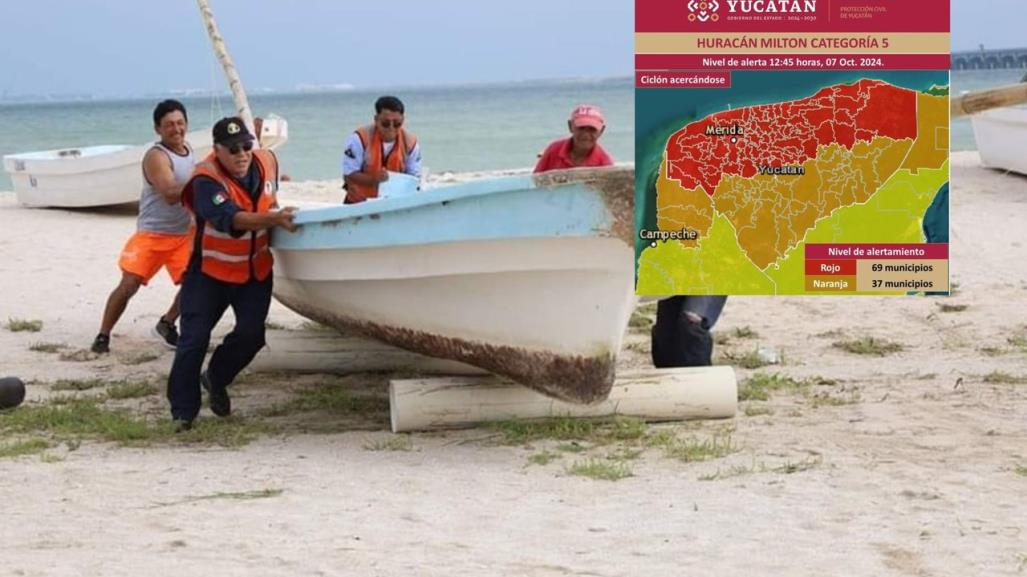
(166, 332)
(220, 402)
(182, 425)
(101, 344)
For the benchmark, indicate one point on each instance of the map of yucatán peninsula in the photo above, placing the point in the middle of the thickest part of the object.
(741, 192)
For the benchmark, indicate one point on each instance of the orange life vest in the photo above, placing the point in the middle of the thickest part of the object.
(225, 257)
(396, 161)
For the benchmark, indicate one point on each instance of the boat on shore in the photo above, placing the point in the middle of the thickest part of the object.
(104, 175)
(529, 277)
(1001, 136)
(999, 120)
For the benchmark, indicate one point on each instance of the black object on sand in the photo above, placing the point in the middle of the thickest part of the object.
(12, 392)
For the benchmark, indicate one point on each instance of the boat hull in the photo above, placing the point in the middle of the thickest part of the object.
(542, 296)
(1001, 136)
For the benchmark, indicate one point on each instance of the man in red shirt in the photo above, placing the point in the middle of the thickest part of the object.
(582, 148)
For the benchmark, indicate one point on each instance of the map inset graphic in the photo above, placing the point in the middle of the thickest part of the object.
(733, 197)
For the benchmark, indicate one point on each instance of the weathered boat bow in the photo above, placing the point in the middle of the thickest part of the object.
(528, 277)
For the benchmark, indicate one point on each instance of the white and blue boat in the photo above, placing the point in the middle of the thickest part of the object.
(530, 277)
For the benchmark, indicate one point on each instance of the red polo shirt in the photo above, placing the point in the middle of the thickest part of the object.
(558, 157)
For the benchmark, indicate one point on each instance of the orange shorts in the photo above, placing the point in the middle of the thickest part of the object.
(146, 252)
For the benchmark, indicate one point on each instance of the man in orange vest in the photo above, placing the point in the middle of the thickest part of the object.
(374, 150)
(233, 196)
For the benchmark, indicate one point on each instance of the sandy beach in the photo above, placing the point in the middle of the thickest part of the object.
(909, 464)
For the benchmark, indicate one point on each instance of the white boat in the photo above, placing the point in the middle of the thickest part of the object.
(1001, 135)
(105, 175)
(530, 277)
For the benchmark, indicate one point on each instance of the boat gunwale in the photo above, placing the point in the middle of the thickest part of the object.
(461, 191)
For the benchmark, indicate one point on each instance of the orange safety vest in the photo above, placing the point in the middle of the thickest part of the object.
(371, 140)
(224, 257)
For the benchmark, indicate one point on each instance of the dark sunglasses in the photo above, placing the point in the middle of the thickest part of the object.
(393, 124)
(237, 148)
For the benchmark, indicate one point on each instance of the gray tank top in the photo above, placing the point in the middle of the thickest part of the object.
(155, 214)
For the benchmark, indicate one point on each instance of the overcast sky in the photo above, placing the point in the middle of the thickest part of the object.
(137, 46)
(993, 23)
(127, 47)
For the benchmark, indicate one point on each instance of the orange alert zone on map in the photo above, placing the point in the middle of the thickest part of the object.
(774, 170)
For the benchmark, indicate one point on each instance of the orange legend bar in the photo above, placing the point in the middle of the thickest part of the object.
(831, 284)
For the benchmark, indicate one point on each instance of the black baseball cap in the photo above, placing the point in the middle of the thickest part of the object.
(231, 131)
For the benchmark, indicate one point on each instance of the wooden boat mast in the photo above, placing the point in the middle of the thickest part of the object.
(981, 100)
(242, 105)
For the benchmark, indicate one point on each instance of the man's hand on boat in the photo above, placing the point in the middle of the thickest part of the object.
(381, 175)
(284, 218)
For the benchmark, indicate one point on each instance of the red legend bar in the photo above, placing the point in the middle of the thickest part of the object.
(831, 267)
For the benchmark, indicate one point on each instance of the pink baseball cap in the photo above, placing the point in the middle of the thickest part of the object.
(587, 115)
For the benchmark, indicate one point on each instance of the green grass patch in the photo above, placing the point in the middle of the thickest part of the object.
(595, 431)
(1020, 470)
(951, 308)
(640, 321)
(78, 419)
(544, 458)
(57, 400)
(746, 332)
(331, 398)
(757, 411)
(869, 346)
(393, 443)
(693, 450)
(77, 384)
(790, 468)
(86, 419)
(828, 400)
(759, 386)
(131, 390)
(230, 432)
(44, 347)
(600, 470)
(992, 351)
(625, 454)
(748, 360)
(23, 325)
(21, 448)
(728, 473)
(1018, 341)
(1002, 378)
(640, 347)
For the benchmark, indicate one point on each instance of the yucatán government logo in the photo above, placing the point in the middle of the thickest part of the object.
(703, 10)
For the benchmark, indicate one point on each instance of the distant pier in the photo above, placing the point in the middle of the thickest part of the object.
(987, 59)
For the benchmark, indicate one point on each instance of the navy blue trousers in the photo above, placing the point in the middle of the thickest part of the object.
(678, 341)
(204, 301)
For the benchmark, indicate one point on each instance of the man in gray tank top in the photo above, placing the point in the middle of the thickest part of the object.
(163, 237)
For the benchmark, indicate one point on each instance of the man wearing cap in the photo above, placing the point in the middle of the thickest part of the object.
(582, 148)
(373, 150)
(233, 196)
